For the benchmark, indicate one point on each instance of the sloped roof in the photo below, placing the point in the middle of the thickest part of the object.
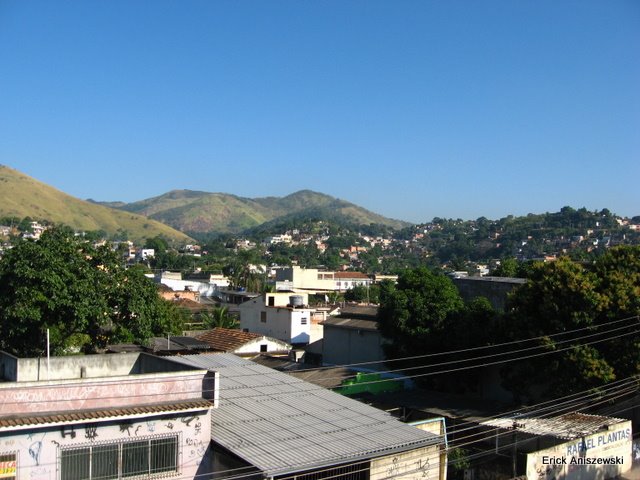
(366, 312)
(78, 416)
(281, 424)
(352, 323)
(176, 343)
(567, 427)
(227, 339)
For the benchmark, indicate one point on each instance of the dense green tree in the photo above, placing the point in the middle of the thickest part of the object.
(95, 235)
(414, 312)
(158, 243)
(82, 295)
(507, 268)
(362, 293)
(219, 317)
(563, 296)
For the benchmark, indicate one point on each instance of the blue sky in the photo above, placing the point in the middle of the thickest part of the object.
(412, 109)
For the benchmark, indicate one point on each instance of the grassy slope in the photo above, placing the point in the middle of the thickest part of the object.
(22, 196)
(203, 212)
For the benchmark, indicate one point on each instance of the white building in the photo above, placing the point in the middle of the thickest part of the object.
(312, 280)
(280, 315)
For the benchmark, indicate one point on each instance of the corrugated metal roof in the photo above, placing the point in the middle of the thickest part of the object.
(351, 323)
(14, 422)
(325, 377)
(281, 424)
(177, 343)
(566, 427)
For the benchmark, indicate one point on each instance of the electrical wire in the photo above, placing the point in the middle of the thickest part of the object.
(253, 387)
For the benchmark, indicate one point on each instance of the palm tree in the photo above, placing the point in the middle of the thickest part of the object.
(219, 317)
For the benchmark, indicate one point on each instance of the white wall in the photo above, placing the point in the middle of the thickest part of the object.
(612, 443)
(273, 346)
(418, 464)
(282, 323)
(37, 450)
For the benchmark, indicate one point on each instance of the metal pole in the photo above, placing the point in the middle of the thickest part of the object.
(48, 355)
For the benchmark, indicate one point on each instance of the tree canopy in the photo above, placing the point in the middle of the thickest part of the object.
(563, 302)
(414, 312)
(578, 323)
(81, 294)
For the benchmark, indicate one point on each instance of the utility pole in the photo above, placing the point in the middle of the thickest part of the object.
(514, 457)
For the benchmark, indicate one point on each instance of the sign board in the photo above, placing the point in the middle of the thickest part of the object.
(602, 455)
(8, 466)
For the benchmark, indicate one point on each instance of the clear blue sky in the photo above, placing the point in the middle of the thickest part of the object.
(412, 109)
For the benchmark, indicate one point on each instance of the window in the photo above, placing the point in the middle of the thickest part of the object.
(8, 464)
(263, 349)
(263, 317)
(272, 301)
(120, 460)
(303, 321)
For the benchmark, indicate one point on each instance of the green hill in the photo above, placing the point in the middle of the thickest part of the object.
(202, 213)
(22, 196)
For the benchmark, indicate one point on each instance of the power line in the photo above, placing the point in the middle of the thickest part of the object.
(253, 387)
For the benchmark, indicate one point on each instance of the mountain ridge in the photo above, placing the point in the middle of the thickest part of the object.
(201, 213)
(23, 196)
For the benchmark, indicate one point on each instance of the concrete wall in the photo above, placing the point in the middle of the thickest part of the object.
(8, 367)
(91, 393)
(344, 346)
(83, 366)
(37, 450)
(282, 299)
(306, 278)
(80, 366)
(282, 323)
(272, 346)
(419, 464)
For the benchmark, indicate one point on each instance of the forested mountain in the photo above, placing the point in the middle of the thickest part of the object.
(202, 213)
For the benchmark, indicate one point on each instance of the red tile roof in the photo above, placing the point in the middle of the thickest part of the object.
(349, 275)
(226, 339)
(13, 421)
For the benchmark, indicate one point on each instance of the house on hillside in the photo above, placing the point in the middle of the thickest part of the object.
(104, 416)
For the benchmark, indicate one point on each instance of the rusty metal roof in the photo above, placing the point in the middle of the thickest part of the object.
(567, 427)
(53, 418)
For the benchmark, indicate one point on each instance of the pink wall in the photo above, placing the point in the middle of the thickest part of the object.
(114, 392)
